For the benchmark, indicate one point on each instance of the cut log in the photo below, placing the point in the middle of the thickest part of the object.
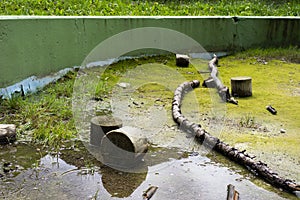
(7, 133)
(182, 60)
(241, 86)
(257, 167)
(123, 147)
(100, 125)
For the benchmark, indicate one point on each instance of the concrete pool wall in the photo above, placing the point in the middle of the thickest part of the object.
(40, 45)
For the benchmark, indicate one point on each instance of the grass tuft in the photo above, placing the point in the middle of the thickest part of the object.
(46, 116)
(247, 121)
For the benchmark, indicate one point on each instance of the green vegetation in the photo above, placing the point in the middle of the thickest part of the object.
(275, 81)
(290, 54)
(148, 7)
(46, 117)
(247, 121)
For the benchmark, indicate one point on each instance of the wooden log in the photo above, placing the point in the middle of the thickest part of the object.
(123, 147)
(182, 60)
(147, 195)
(232, 194)
(100, 125)
(7, 133)
(214, 82)
(209, 83)
(241, 86)
(257, 167)
(271, 109)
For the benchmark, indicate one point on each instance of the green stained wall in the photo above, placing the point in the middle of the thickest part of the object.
(32, 45)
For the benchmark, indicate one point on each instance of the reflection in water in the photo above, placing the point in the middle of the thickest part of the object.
(75, 174)
(121, 184)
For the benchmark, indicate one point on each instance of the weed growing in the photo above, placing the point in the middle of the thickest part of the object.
(247, 121)
(44, 117)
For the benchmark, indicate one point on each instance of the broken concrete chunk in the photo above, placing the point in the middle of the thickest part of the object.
(7, 133)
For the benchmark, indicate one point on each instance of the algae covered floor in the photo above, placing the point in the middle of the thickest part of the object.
(140, 92)
(273, 138)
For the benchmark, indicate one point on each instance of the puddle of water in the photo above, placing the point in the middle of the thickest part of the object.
(78, 175)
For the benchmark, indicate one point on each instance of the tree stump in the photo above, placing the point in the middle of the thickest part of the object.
(182, 60)
(241, 86)
(7, 133)
(100, 125)
(123, 147)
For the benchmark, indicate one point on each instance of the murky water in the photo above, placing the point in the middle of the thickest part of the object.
(30, 173)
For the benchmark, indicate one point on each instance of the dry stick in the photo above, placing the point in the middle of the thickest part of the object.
(259, 168)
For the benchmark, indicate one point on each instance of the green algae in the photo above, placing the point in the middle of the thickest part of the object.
(273, 83)
(46, 116)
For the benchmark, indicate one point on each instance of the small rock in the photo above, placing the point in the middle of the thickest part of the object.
(7, 133)
(6, 164)
(282, 130)
(6, 169)
(123, 85)
(190, 72)
(194, 154)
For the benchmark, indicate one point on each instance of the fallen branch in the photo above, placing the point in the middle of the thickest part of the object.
(214, 82)
(149, 192)
(259, 168)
